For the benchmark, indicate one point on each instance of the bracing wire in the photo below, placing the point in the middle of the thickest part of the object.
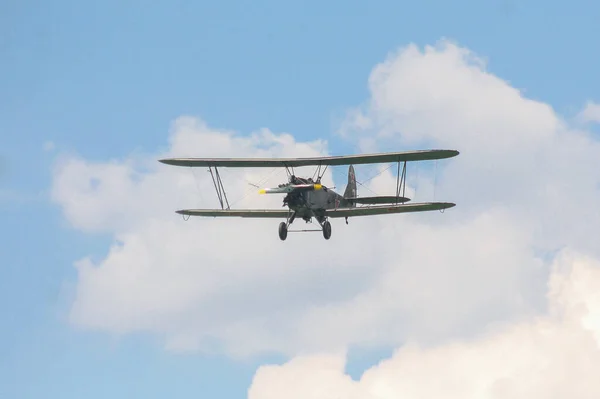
(248, 192)
(416, 178)
(201, 199)
(383, 170)
(434, 179)
(362, 184)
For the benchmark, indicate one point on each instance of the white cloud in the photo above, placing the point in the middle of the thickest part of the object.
(234, 281)
(515, 152)
(554, 356)
(591, 113)
(232, 286)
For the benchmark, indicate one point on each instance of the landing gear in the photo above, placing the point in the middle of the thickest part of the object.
(283, 226)
(327, 230)
(283, 231)
(325, 227)
(323, 222)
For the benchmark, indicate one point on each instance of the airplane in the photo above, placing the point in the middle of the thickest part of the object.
(306, 198)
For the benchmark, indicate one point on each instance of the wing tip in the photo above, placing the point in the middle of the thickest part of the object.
(446, 205)
(168, 161)
(450, 153)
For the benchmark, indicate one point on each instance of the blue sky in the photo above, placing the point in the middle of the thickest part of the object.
(105, 80)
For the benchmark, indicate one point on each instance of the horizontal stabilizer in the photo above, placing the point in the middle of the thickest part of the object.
(386, 199)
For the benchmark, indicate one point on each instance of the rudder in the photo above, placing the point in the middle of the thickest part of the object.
(351, 187)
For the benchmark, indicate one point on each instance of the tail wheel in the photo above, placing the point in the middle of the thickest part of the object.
(283, 231)
(327, 230)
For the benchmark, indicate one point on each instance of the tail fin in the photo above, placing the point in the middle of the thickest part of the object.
(351, 187)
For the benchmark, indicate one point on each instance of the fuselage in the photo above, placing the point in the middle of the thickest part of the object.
(312, 203)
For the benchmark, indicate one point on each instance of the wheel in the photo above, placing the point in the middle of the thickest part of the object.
(283, 231)
(327, 230)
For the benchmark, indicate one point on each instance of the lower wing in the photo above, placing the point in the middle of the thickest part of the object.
(389, 209)
(332, 213)
(377, 200)
(243, 213)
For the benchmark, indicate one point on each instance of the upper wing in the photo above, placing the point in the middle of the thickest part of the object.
(422, 155)
(244, 213)
(385, 210)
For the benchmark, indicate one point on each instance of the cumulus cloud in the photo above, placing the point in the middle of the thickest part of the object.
(551, 356)
(231, 286)
(515, 152)
(590, 113)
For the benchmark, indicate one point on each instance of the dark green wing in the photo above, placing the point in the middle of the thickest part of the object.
(422, 155)
(389, 209)
(244, 213)
(332, 213)
(385, 199)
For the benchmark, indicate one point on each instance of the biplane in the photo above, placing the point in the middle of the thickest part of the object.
(307, 198)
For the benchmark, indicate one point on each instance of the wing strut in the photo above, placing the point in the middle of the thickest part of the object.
(321, 174)
(219, 187)
(401, 181)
